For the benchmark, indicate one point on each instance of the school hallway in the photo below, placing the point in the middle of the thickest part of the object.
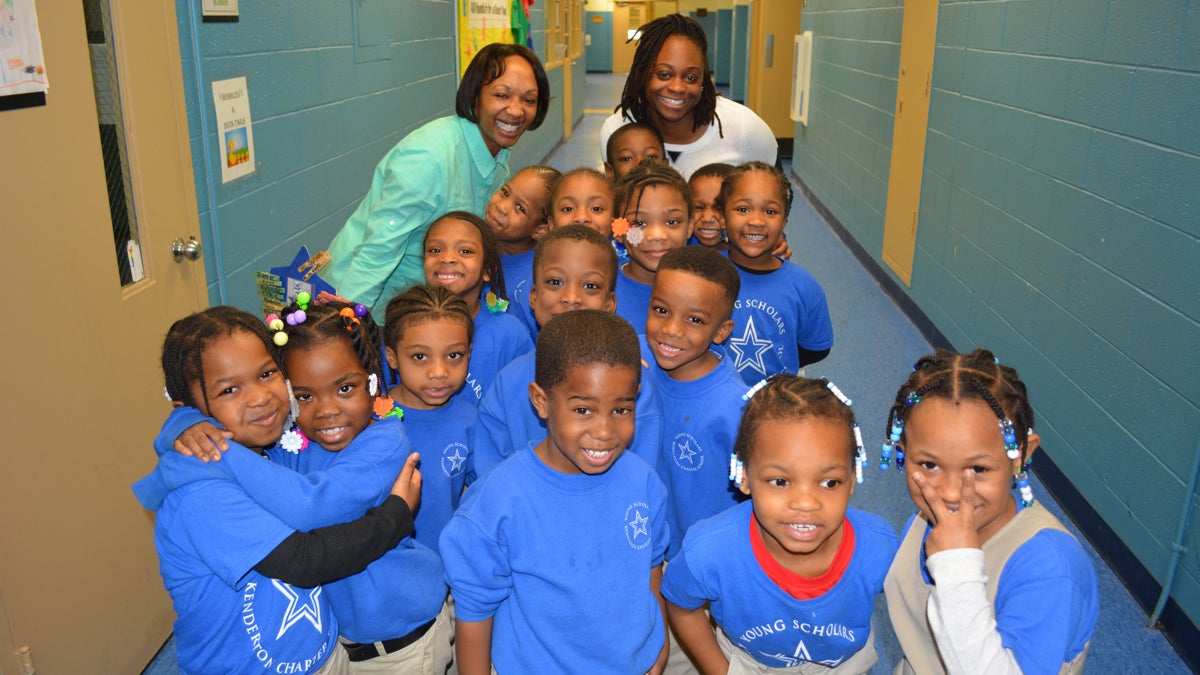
(875, 347)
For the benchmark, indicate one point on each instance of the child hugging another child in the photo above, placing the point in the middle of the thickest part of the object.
(575, 267)
(983, 582)
(655, 208)
(428, 334)
(631, 145)
(795, 558)
(462, 255)
(518, 214)
(555, 558)
(781, 320)
(234, 564)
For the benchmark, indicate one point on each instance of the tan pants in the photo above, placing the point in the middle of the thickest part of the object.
(338, 663)
(431, 655)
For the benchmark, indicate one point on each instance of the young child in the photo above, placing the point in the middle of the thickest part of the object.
(584, 196)
(791, 577)
(631, 145)
(461, 254)
(518, 214)
(555, 558)
(983, 582)
(708, 222)
(575, 268)
(233, 568)
(693, 296)
(781, 320)
(428, 335)
(655, 208)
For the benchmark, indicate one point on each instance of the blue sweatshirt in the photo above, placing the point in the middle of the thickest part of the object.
(443, 437)
(518, 281)
(633, 301)
(499, 338)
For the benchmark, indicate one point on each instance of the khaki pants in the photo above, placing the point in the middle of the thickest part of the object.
(431, 655)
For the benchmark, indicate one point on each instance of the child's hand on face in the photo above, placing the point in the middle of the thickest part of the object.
(408, 483)
(951, 529)
(204, 441)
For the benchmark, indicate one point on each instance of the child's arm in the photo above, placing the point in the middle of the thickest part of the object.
(656, 575)
(473, 646)
(694, 631)
(205, 441)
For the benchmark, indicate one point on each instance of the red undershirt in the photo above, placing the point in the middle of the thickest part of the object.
(803, 588)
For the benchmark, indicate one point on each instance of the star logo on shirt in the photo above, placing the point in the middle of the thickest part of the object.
(637, 525)
(687, 453)
(452, 464)
(748, 350)
(309, 610)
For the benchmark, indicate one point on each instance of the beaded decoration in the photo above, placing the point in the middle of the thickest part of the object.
(737, 471)
(373, 384)
(754, 390)
(1023, 486)
(860, 454)
(892, 443)
(1011, 449)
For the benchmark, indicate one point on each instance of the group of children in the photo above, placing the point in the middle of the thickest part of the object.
(619, 469)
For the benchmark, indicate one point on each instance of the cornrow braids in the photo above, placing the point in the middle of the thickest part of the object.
(550, 177)
(491, 249)
(185, 342)
(650, 175)
(336, 320)
(788, 397)
(420, 304)
(651, 37)
(731, 179)
(964, 377)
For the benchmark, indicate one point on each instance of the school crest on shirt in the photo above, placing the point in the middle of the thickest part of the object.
(748, 349)
(454, 459)
(637, 525)
(686, 452)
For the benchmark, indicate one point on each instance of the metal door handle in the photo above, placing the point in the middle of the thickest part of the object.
(189, 249)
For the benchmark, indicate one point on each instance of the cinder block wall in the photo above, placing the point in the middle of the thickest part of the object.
(1058, 226)
(333, 86)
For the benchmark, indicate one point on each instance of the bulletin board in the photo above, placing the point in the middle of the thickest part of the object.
(481, 22)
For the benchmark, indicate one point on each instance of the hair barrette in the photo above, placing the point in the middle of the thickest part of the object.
(495, 304)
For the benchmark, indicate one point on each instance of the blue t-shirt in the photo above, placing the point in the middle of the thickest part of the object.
(508, 420)
(518, 281)
(775, 313)
(699, 424)
(562, 564)
(443, 437)
(633, 301)
(499, 338)
(1047, 603)
(717, 564)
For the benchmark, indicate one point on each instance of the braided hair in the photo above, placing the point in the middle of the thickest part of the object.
(651, 37)
(731, 179)
(420, 304)
(336, 320)
(186, 340)
(650, 175)
(787, 398)
(491, 249)
(965, 377)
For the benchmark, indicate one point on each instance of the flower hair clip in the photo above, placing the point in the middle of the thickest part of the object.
(293, 441)
(386, 406)
(620, 226)
(632, 232)
(495, 303)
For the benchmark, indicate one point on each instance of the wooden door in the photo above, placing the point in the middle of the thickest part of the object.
(774, 27)
(908, 135)
(627, 16)
(83, 390)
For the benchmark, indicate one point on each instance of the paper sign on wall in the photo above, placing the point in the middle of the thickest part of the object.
(226, 9)
(232, 103)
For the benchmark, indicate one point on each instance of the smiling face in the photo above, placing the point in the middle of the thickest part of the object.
(431, 358)
(454, 258)
(630, 148)
(687, 315)
(507, 105)
(330, 385)
(516, 210)
(589, 417)
(800, 478)
(708, 223)
(942, 439)
(754, 220)
(571, 275)
(246, 390)
(583, 199)
(673, 89)
(662, 213)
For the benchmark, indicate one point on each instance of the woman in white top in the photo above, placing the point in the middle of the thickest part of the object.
(670, 86)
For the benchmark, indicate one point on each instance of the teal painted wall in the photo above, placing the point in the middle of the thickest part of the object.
(599, 52)
(324, 113)
(1059, 224)
(723, 66)
(739, 60)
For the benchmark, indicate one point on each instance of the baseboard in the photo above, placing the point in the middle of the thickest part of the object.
(1145, 589)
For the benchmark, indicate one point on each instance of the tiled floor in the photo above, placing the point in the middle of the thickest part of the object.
(874, 351)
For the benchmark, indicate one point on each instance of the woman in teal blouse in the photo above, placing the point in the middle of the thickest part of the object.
(450, 164)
